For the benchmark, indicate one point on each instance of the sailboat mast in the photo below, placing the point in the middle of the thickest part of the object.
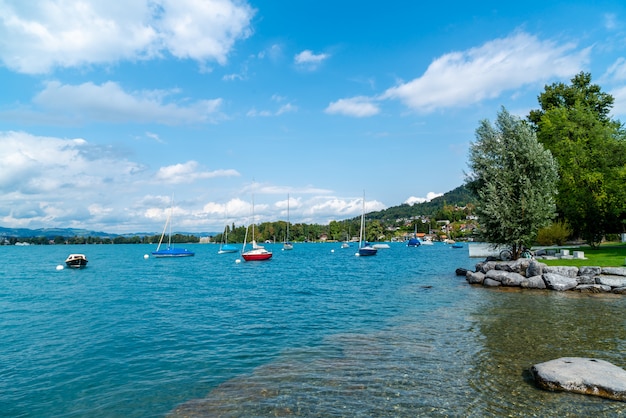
(362, 222)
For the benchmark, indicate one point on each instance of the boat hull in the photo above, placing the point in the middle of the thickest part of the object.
(173, 252)
(367, 251)
(228, 249)
(76, 261)
(257, 256)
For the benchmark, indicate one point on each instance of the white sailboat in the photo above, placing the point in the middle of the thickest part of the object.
(287, 245)
(258, 252)
(365, 249)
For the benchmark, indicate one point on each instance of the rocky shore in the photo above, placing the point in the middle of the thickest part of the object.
(532, 274)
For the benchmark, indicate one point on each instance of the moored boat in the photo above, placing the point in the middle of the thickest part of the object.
(258, 252)
(76, 261)
(365, 248)
(170, 251)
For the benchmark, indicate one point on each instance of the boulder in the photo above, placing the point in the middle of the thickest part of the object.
(588, 376)
(592, 288)
(475, 277)
(485, 267)
(614, 271)
(586, 279)
(567, 271)
(512, 279)
(496, 275)
(516, 266)
(535, 268)
(534, 282)
(558, 282)
(613, 281)
(589, 270)
(491, 283)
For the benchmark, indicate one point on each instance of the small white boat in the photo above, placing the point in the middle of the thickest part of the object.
(76, 261)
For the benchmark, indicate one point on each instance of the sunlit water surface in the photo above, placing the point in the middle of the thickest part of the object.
(313, 332)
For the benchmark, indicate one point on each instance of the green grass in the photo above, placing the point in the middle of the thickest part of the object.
(608, 255)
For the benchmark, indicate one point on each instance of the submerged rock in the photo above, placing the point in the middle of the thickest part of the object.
(581, 375)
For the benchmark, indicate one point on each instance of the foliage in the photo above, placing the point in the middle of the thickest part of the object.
(514, 178)
(574, 124)
(555, 234)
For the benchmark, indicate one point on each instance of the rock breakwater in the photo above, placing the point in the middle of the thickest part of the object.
(532, 274)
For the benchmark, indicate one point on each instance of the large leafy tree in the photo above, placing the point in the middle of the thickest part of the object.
(574, 124)
(514, 178)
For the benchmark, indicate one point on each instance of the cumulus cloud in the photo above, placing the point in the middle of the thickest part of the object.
(38, 36)
(429, 196)
(108, 102)
(189, 172)
(359, 107)
(466, 77)
(59, 182)
(309, 60)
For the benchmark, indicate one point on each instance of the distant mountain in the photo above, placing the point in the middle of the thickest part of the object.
(460, 196)
(51, 233)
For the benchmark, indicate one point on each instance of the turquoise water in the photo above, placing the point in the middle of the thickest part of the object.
(314, 332)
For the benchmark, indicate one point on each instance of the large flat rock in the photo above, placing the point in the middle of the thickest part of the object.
(582, 375)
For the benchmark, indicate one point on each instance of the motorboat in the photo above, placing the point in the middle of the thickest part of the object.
(76, 261)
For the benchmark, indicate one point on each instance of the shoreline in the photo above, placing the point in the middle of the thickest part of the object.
(532, 274)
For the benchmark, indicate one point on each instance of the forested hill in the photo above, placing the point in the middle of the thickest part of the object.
(460, 196)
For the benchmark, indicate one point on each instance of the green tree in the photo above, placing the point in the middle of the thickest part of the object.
(515, 179)
(574, 124)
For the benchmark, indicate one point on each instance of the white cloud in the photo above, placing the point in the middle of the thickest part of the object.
(359, 107)
(467, 77)
(617, 70)
(189, 172)
(108, 102)
(37, 36)
(429, 196)
(308, 57)
(619, 105)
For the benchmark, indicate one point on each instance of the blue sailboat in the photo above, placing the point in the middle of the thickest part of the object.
(170, 251)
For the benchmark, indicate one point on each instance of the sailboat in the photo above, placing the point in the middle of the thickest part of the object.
(225, 247)
(365, 249)
(414, 242)
(170, 251)
(287, 245)
(258, 252)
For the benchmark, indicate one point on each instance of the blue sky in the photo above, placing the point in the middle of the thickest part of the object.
(109, 110)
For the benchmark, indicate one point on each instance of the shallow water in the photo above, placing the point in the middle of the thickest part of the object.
(314, 332)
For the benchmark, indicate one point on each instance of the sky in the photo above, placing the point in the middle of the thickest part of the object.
(113, 114)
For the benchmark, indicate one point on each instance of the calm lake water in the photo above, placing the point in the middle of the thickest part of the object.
(314, 332)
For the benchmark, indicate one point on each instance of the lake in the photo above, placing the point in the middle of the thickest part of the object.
(313, 332)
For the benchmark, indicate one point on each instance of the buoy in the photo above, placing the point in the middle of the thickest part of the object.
(237, 261)
(146, 256)
(59, 267)
(332, 251)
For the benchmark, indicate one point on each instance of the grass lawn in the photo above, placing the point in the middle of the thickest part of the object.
(611, 254)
